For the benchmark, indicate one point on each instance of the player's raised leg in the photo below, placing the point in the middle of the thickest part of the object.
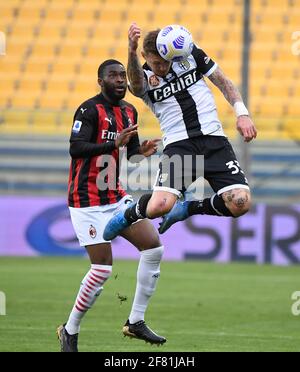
(148, 206)
(144, 236)
(232, 203)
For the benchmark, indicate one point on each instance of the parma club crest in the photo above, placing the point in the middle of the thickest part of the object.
(154, 81)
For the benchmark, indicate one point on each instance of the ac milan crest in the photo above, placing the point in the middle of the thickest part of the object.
(93, 232)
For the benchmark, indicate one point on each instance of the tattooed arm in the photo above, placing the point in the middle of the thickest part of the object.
(134, 69)
(244, 123)
(226, 86)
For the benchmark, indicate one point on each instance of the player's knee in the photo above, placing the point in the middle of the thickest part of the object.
(240, 203)
(150, 243)
(159, 207)
(153, 255)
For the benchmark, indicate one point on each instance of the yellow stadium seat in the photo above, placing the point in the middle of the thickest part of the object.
(121, 4)
(11, 4)
(16, 48)
(21, 25)
(90, 67)
(291, 126)
(36, 66)
(294, 107)
(267, 106)
(161, 19)
(33, 13)
(85, 14)
(50, 31)
(78, 33)
(34, 3)
(65, 118)
(4, 100)
(45, 118)
(7, 84)
(192, 3)
(74, 100)
(86, 86)
(30, 85)
(10, 66)
(55, 85)
(97, 51)
(66, 4)
(6, 16)
(16, 117)
(63, 65)
(22, 100)
(54, 100)
(136, 4)
(111, 15)
(42, 49)
(56, 14)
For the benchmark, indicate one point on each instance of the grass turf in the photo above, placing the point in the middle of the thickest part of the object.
(197, 306)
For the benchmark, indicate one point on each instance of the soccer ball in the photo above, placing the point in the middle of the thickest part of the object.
(174, 43)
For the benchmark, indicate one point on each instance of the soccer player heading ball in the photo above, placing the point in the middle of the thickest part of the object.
(179, 97)
(174, 43)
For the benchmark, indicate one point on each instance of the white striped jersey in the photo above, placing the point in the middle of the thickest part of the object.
(182, 101)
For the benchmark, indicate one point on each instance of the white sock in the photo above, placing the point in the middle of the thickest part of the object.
(90, 289)
(147, 276)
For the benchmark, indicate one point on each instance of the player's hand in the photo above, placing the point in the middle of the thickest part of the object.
(246, 128)
(134, 33)
(149, 147)
(125, 135)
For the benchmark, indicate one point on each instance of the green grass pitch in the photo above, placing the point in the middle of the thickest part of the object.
(197, 306)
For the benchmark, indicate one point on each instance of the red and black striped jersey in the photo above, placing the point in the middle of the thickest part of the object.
(96, 125)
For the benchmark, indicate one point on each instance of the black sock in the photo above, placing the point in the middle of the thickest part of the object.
(138, 210)
(213, 207)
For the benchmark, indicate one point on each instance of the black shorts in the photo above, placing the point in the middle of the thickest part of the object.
(211, 157)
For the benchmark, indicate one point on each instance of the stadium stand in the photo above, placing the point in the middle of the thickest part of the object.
(274, 69)
(54, 49)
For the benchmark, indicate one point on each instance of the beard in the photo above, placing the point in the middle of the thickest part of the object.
(112, 92)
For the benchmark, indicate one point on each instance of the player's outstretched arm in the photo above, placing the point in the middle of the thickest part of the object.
(134, 69)
(245, 126)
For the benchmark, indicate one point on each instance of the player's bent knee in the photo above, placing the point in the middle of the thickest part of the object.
(158, 208)
(241, 202)
(150, 244)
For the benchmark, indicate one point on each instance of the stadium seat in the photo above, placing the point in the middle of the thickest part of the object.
(53, 101)
(54, 49)
(23, 100)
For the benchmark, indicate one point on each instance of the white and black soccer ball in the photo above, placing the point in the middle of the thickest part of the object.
(174, 43)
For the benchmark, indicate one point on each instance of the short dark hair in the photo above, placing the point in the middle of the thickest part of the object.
(105, 64)
(149, 44)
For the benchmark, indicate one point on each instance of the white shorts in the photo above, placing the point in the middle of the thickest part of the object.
(89, 223)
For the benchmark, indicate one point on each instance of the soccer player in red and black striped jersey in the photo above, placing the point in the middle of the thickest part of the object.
(101, 126)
